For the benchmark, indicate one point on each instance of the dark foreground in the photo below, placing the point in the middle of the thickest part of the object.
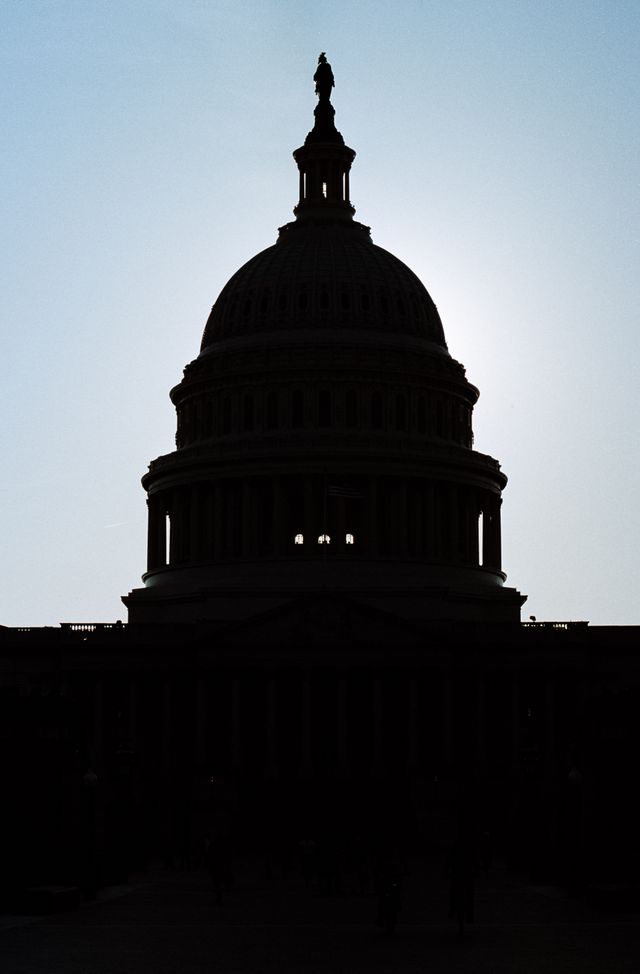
(170, 922)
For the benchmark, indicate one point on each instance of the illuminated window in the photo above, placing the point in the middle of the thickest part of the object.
(324, 539)
(324, 190)
(348, 539)
(299, 539)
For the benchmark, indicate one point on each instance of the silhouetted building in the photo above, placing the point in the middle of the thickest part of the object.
(324, 437)
(324, 643)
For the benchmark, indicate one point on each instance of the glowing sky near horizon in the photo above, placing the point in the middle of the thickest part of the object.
(147, 155)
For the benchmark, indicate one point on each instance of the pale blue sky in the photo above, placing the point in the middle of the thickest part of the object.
(147, 154)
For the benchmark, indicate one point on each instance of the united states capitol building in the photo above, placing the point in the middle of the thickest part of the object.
(324, 636)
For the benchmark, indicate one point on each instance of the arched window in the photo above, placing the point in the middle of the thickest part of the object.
(324, 539)
(299, 539)
(348, 539)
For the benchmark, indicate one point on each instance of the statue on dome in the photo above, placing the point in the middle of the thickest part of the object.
(323, 78)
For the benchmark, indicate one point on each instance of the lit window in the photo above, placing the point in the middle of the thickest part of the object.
(348, 539)
(324, 190)
(299, 539)
(324, 539)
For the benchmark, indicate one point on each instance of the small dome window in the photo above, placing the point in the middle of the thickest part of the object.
(348, 539)
(299, 539)
(324, 539)
(351, 408)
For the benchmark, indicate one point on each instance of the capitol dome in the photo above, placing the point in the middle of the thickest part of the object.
(324, 277)
(324, 435)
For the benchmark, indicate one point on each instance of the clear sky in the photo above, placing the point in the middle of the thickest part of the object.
(147, 154)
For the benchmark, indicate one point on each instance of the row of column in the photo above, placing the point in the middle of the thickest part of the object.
(312, 724)
(386, 516)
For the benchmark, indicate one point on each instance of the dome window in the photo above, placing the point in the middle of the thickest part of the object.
(422, 415)
(324, 539)
(297, 408)
(324, 408)
(299, 539)
(376, 410)
(351, 408)
(272, 409)
(348, 539)
(226, 416)
(248, 413)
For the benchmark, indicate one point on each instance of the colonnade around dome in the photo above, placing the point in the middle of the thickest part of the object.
(283, 516)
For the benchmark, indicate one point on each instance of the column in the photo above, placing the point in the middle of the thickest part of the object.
(473, 514)
(236, 704)
(155, 551)
(430, 518)
(372, 541)
(550, 724)
(195, 524)
(447, 719)
(481, 755)
(343, 752)
(498, 533)
(98, 721)
(412, 725)
(279, 539)
(487, 531)
(313, 526)
(338, 523)
(132, 706)
(515, 721)
(306, 762)
(400, 519)
(454, 523)
(166, 736)
(219, 548)
(207, 521)
(377, 758)
(247, 519)
(200, 751)
(271, 762)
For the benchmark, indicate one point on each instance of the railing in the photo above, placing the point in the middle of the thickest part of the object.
(555, 625)
(90, 626)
